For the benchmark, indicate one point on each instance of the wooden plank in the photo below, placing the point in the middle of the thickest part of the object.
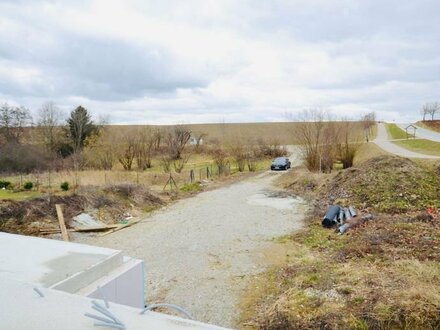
(64, 233)
(100, 228)
(121, 227)
(79, 229)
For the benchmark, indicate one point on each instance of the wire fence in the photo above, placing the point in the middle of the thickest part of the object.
(53, 180)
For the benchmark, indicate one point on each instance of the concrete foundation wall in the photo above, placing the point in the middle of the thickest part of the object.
(124, 286)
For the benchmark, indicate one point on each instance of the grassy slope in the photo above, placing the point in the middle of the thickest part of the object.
(394, 132)
(421, 145)
(381, 275)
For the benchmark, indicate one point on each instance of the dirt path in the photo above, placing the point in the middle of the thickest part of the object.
(383, 142)
(199, 251)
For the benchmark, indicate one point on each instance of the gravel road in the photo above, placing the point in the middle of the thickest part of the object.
(199, 251)
(383, 142)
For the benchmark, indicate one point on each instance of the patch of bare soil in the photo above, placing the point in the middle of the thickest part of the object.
(432, 124)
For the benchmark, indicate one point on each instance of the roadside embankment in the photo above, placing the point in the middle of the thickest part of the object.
(381, 274)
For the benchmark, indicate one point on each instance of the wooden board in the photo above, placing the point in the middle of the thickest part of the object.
(64, 233)
(79, 229)
(121, 227)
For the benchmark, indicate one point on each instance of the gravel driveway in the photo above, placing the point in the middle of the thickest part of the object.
(199, 251)
(383, 142)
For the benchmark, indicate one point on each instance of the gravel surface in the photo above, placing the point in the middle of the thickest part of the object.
(199, 251)
(383, 142)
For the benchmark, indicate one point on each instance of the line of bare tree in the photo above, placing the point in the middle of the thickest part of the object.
(430, 109)
(325, 141)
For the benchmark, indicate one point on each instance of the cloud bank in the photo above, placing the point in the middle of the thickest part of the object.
(194, 61)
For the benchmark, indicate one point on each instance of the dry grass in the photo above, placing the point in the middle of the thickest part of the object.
(356, 281)
(368, 151)
(231, 132)
(154, 177)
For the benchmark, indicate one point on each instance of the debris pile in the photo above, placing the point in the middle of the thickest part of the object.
(343, 217)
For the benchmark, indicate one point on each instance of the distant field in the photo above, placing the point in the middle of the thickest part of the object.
(421, 145)
(395, 132)
(283, 132)
(433, 125)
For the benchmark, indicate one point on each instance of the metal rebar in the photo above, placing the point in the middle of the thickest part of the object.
(171, 306)
(107, 305)
(107, 313)
(110, 325)
(98, 318)
(40, 293)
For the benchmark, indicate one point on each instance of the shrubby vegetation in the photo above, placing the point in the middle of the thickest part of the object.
(325, 141)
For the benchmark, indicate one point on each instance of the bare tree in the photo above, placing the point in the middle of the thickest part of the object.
(180, 163)
(368, 121)
(13, 121)
(146, 139)
(317, 136)
(49, 122)
(349, 143)
(101, 148)
(158, 136)
(176, 141)
(425, 111)
(220, 158)
(239, 154)
(199, 140)
(432, 109)
(127, 150)
(309, 135)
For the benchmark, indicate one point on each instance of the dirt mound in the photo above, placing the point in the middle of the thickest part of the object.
(432, 124)
(28, 216)
(109, 205)
(387, 184)
(137, 194)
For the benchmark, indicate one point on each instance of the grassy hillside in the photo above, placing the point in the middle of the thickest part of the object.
(394, 132)
(421, 145)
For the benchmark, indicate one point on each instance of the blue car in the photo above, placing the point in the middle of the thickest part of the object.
(280, 163)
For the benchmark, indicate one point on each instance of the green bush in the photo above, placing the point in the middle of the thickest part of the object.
(5, 184)
(28, 185)
(64, 186)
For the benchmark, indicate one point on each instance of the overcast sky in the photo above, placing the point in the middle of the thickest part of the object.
(191, 61)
